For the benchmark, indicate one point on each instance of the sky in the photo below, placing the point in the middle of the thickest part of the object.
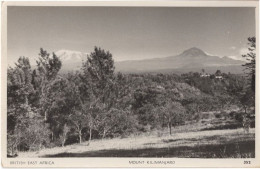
(129, 33)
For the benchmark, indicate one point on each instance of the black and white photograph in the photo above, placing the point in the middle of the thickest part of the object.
(141, 82)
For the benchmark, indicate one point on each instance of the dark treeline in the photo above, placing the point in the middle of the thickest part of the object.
(48, 109)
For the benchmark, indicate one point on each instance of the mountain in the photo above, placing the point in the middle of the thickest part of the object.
(193, 59)
(71, 60)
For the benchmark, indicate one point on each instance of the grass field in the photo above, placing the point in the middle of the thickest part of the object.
(197, 143)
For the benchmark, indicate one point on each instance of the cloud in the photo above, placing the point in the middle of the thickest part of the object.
(232, 47)
(237, 58)
(209, 54)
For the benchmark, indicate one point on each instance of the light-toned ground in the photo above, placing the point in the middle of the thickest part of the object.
(152, 141)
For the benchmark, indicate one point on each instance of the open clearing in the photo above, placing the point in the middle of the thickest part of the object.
(228, 143)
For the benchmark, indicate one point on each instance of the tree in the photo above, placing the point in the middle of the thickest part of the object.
(80, 121)
(117, 117)
(90, 107)
(247, 101)
(61, 99)
(48, 68)
(69, 106)
(223, 100)
(100, 67)
(20, 78)
(113, 122)
(250, 65)
(247, 98)
(34, 133)
(235, 88)
(64, 134)
(172, 112)
(218, 73)
(19, 89)
(98, 78)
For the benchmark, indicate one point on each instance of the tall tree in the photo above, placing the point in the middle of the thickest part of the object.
(98, 77)
(19, 89)
(48, 68)
(100, 68)
(250, 65)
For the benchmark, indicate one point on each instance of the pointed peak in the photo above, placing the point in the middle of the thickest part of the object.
(194, 52)
(194, 48)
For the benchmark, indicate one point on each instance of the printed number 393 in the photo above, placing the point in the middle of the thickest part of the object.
(247, 162)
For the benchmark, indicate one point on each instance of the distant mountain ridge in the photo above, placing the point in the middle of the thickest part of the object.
(192, 59)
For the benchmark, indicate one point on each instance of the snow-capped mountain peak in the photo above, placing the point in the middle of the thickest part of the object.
(71, 60)
(67, 55)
